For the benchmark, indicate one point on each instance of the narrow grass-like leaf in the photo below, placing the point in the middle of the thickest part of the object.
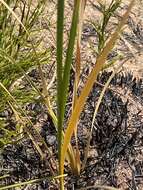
(77, 77)
(95, 113)
(60, 27)
(69, 54)
(4, 176)
(30, 182)
(78, 56)
(67, 66)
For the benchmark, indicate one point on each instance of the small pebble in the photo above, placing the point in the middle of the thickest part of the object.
(50, 139)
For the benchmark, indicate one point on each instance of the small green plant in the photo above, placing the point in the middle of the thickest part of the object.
(13, 56)
(64, 80)
(107, 12)
(16, 54)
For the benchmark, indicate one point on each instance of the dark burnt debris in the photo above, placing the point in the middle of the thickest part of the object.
(117, 135)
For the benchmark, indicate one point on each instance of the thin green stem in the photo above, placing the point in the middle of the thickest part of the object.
(60, 28)
(69, 55)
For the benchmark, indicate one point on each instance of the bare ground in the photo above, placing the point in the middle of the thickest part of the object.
(116, 152)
